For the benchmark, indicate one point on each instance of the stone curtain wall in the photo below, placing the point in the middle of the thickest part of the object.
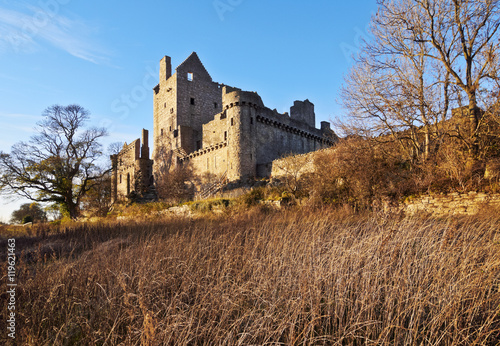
(212, 159)
(449, 204)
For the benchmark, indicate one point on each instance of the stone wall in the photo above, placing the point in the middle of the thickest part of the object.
(212, 159)
(450, 204)
(302, 164)
(132, 169)
(254, 135)
(258, 135)
(436, 205)
(216, 131)
(126, 168)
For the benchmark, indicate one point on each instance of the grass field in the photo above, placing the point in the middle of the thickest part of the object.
(299, 276)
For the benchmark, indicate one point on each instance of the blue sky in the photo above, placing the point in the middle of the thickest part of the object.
(104, 56)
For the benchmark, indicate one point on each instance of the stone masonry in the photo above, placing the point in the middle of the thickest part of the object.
(132, 169)
(222, 130)
(450, 204)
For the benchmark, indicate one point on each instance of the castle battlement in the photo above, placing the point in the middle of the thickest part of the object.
(204, 151)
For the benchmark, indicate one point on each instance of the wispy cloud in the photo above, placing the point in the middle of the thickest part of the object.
(19, 117)
(28, 29)
(16, 127)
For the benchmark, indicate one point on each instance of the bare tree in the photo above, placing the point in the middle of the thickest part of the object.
(427, 56)
(115, 148)
(464, 36)
(97, 201)
(163, 163)
(58, 164)
(293, 167)
(394, 89)
(173, 180)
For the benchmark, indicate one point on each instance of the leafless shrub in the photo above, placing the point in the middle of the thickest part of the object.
(177, 185)
(173, 181)
(360, 173)
(294, 168)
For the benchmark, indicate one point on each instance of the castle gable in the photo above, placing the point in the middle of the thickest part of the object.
(193, 65)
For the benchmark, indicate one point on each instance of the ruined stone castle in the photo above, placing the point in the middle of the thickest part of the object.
(216, 128)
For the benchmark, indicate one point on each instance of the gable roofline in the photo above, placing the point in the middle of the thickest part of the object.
(193, 57)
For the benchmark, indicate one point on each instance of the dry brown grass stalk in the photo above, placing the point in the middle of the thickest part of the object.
(294, 277)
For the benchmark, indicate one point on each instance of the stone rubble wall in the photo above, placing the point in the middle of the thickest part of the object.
(437, 205)
(451, 204)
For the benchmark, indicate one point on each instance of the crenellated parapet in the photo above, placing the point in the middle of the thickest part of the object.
(317, 135)
(204, 151)
(232, 97)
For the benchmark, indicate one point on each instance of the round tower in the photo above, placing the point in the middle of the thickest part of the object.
(241, 110)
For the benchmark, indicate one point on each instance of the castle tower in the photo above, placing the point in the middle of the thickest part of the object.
(145, 144)
(114, 178)
(303, 111)
(241, 108)
(183, 102)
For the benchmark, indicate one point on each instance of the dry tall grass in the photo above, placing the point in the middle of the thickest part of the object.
(298, 277)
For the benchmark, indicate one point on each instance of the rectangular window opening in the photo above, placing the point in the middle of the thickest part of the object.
(190, 76)
(215, 104)
(192, 101)
(251, 121)
(232, 122)
(225, 135)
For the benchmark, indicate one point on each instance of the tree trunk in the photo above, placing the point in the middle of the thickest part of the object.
(473, 124)
(427, 141)
(72, 208)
